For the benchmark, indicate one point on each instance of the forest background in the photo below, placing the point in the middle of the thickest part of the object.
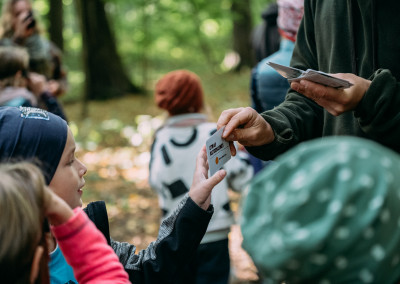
(114, 51)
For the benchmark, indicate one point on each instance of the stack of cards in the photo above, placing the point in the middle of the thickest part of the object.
(294, 74)
(218, 151)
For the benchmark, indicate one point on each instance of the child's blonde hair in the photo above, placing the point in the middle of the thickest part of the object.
(22, 204)
(6, 28)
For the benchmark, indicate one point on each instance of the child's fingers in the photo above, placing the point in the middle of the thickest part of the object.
(201, 189)
(216, 179)
(201, 156)
(57, 211)
(202, 162)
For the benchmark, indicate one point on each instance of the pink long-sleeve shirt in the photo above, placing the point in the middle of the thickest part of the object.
(86, 250)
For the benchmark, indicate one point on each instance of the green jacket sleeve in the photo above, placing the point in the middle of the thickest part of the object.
(378, 113)
(329, 49)
(298, 118)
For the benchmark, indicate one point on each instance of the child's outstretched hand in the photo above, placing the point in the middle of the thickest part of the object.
(57, 210)
(202, 186)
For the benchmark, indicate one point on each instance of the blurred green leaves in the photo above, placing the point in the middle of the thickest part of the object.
(157, 35)
(93, 135)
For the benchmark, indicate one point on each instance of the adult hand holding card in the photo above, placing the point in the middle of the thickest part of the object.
(218, 151)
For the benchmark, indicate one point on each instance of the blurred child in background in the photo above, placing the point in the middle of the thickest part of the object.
(19, 27)
(269, 88)
(19, 87)
(172, 165)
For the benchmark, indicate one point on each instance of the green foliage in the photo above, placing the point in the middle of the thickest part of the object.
(168, 33)
(156, 36)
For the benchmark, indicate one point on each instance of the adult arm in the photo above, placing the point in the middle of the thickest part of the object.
(378, 112)
(368, 109)
(296, 119)
(374, 103)
(374, 100)
(268, 134)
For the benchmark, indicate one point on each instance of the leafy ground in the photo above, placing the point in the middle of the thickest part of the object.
(114, 142)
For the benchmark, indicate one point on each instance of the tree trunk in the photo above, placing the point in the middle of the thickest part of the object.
(55, 17)
(145, 44)
(242, 27)
(105, 76)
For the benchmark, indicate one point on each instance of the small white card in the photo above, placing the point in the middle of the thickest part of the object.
(218, 152)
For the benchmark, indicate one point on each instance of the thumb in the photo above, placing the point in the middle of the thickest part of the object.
(216, 179)
(202, 197)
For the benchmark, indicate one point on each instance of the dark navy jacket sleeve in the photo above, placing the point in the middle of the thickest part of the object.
(178, 239)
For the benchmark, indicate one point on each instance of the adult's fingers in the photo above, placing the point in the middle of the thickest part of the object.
(335, 101)
(240, 119)
(316, 91)
(332, 107)
(226, 116)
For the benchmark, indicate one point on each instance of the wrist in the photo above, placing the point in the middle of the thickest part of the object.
(270, 135)
(197, 200)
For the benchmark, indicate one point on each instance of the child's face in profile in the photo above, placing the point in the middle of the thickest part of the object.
(68, 179)
(19, 8)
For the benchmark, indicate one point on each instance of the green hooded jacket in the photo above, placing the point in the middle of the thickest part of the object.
(343, 36)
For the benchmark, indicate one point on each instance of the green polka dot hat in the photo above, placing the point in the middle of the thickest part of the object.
(328, 211)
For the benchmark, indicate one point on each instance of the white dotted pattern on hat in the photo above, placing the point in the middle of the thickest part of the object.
(335, 206)
(341, 262)
(366, 276)
(345, 174)
(342, 233)
(299, 181)
(377, 252)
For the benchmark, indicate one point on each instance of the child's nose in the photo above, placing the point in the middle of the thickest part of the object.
(83, 169)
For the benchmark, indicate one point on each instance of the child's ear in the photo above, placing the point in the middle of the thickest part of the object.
(35, 264)
(19, 79)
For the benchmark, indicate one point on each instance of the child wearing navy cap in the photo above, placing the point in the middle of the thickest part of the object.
(37, 135)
